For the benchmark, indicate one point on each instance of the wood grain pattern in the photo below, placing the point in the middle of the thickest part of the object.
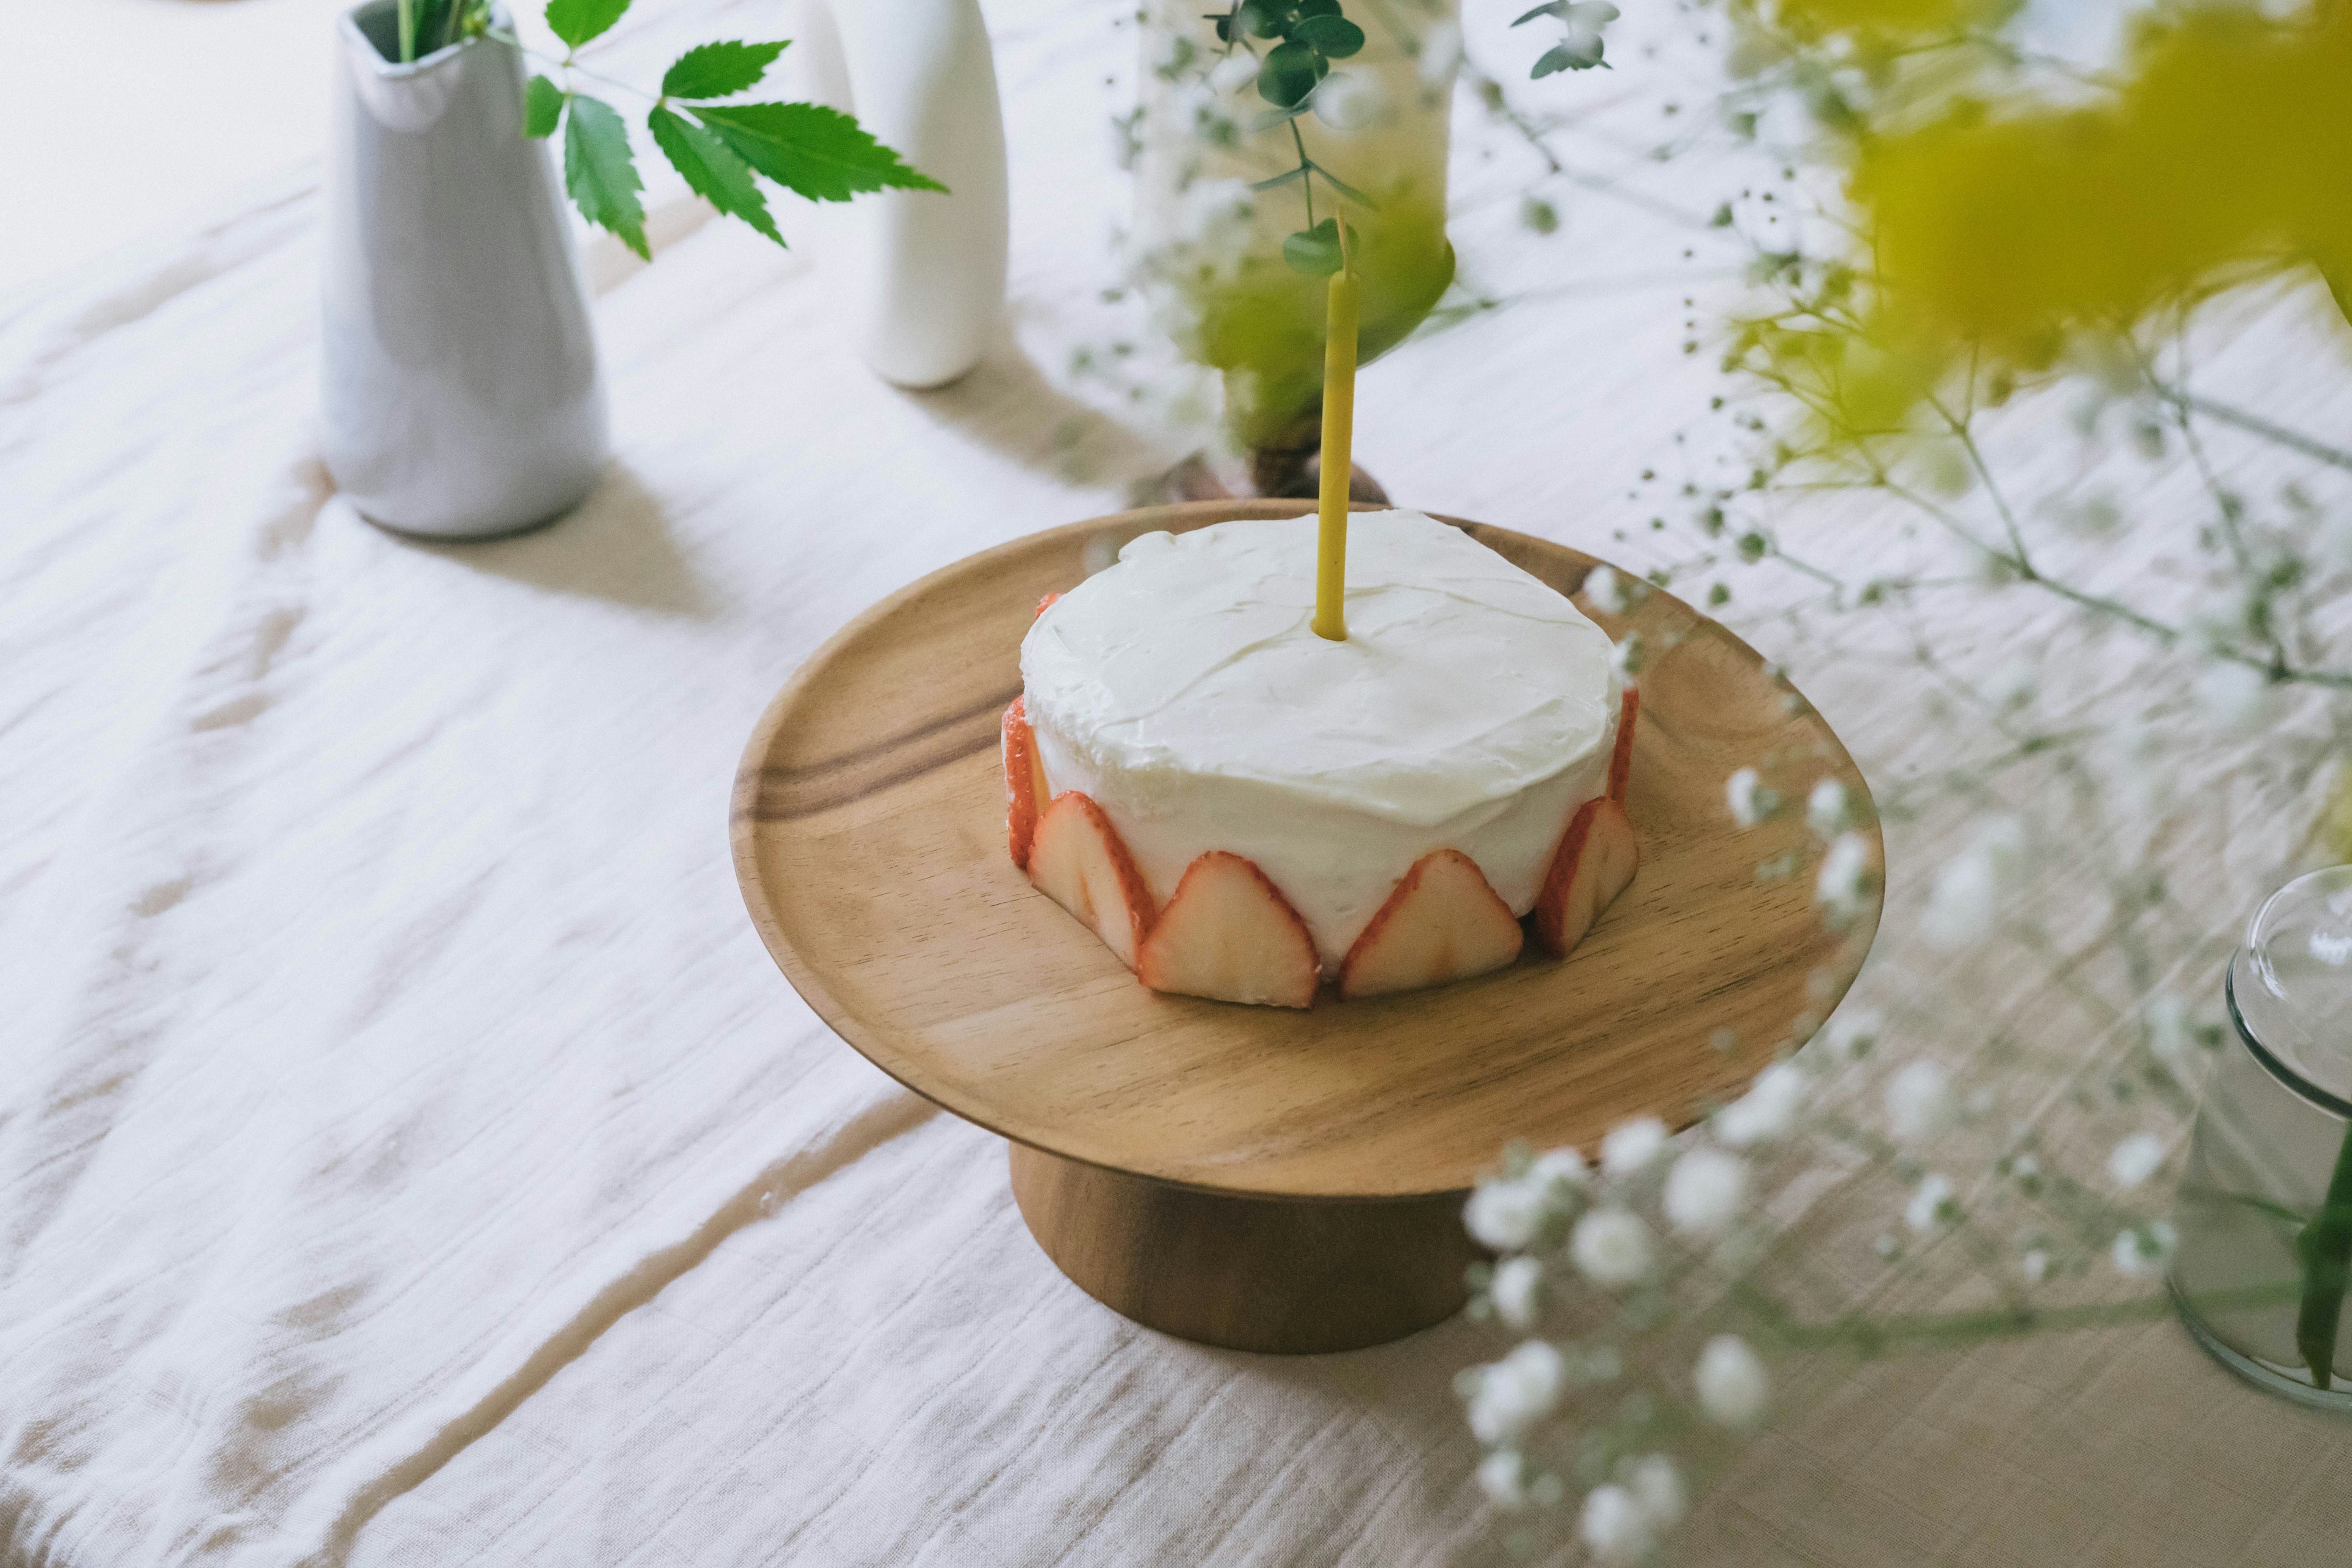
(869, 838)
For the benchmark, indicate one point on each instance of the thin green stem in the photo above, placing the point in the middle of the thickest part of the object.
(1868, 1336)
(1306, 169)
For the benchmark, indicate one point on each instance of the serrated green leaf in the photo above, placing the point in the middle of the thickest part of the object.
(600, 174)
(820, 153)
(716, 70)
(543, 106)
(713, 172)
(1333, 37)
(577, 21)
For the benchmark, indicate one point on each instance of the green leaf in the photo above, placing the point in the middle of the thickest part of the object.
(821, 152)
(543, 106)
(577, 21)
(716, 70)
(1315, 250)
(1345, 189)
(1567, 57)
(1258, 19)
(599, 173)
(1555, 8)
(1289, 74)
(713, 172)
(1334, 38)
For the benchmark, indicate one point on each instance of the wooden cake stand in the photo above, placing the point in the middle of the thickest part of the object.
(1256, 1177)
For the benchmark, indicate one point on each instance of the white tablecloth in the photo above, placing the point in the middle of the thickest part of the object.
(407, 1152)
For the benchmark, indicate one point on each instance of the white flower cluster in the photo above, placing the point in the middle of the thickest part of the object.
(1972, 888)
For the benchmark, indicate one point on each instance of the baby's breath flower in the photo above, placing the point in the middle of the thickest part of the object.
(2035, 1265)
(1851, 1033)
(1558, 1167)
(1918, 1101)
(2135, 1160)
(1931, 1204)
(1827, 809)
(1518, 1290)
(1507, 1213)
(1615, 1527)
(1235, 72)
(1631, 1145)
(1657, 1486)
(1611, 1248)
(1965, 904)
(1742, 791)
(1704, 1191)
(1441, 52)
(1606, 590)
(1732, 1386)
(2144, 1249)
(1503, 1477)
(2233, 696)
(1350, 101)
(1768, 1110)
(1515, 1393)
(1843, 884)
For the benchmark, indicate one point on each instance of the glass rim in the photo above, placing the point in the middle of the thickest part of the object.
(2288, 1078)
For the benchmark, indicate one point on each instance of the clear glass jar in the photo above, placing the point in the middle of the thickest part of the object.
(2265, 1208)
(1226, 185)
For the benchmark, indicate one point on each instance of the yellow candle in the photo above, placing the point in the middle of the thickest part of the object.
(1339, 427)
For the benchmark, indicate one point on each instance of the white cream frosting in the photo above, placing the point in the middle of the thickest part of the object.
(1471, 707)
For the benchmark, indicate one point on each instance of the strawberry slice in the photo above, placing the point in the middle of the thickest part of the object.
(1078, 860)
(1595, 859)
(1443, 922)
(1045, 603)
(1230, 935)
(1025, 796)
(1621, 759)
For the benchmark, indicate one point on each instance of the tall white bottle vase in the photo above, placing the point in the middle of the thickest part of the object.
(928, 270)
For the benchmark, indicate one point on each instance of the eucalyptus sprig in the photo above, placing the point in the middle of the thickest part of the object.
(1307, 35)
(819, 153)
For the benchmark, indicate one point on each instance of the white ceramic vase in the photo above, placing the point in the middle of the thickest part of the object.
(928, 270)
(459, 393)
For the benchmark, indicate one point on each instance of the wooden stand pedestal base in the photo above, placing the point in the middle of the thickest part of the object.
(1254, 1274)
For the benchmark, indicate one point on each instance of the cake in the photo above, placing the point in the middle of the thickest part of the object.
(1242, 809)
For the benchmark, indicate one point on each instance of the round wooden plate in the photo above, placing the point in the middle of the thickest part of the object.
(869, 829)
